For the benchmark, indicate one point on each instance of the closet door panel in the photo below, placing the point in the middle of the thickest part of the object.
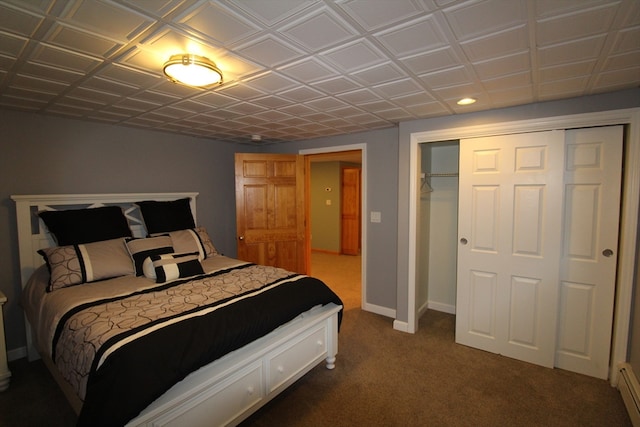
(577, 307)
(582, 204)
(485, 213)
(528, 220)
(524, 302)
(482, 305)
(510, 211)
(592, 179)
(538, 227)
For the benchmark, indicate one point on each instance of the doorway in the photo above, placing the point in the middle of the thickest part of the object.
(329, 199)
(437, 227)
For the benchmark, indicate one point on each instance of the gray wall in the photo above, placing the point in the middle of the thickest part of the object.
(382, 196)
(56, 155)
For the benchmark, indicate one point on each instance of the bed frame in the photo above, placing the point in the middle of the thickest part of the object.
(224, 392)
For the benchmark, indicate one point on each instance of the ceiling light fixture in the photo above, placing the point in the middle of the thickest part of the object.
(466, 101)
(192, 70)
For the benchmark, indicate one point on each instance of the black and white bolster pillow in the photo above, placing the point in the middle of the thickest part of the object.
(166, 267)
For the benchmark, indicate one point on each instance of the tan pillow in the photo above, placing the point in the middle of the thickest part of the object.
(193, 240)
(77, 264)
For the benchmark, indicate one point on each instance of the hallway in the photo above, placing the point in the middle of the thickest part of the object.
(342, 273)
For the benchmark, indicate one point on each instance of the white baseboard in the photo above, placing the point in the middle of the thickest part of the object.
(423, 309)
(630, 391)
(377, 309)
(16, 353)
(400, 326)
(445, 308)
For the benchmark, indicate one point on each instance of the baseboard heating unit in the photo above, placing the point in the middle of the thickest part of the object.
(630, 391)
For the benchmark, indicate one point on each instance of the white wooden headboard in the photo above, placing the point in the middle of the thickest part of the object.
(33, 234)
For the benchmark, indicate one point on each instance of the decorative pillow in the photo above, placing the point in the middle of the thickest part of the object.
(76, 226)
(168, 267)
(193, 240)
(140, 249)
(76, 264)
(209, 248)
(162, 217)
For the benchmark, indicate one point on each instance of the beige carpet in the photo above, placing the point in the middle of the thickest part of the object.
(388, 378)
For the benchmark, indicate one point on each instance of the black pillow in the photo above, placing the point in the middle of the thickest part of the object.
(78, 226)
(162, 217)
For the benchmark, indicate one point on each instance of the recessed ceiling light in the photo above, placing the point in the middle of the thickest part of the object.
(192, 70)
(467, 101)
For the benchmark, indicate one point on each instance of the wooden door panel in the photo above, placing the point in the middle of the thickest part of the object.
(279, 253)
(286, 254)
(255, 197)
(284, 201)
(350, 211)
(284, 169)
(254, 169)
(270, 213)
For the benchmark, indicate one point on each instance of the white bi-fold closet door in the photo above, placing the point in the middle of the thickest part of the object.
(537, 251)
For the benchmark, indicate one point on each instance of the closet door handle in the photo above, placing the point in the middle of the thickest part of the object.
(607, 253)
(464, 241)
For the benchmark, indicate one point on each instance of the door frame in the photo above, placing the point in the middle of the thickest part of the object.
(628, 213)
(363, 207)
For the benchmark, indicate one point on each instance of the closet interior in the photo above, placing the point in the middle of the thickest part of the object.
(437, 226)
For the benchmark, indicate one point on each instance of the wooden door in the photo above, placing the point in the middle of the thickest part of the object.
(592, 180)
(350, 211)
(270, 214)
(509, 222)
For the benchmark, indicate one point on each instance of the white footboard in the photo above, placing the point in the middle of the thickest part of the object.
(230, 389)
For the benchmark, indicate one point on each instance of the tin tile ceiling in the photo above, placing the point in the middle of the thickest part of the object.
(299, 69)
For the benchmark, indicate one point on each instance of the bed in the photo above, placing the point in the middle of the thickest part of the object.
(178, 334)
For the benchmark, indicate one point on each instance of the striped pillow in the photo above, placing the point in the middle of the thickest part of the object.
(141, 249)
(168, 267)
(193, 240)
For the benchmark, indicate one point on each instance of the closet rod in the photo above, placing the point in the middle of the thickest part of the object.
(425, 180)
(428, 175)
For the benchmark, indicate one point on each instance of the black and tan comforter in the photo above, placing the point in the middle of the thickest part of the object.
(122, 343)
